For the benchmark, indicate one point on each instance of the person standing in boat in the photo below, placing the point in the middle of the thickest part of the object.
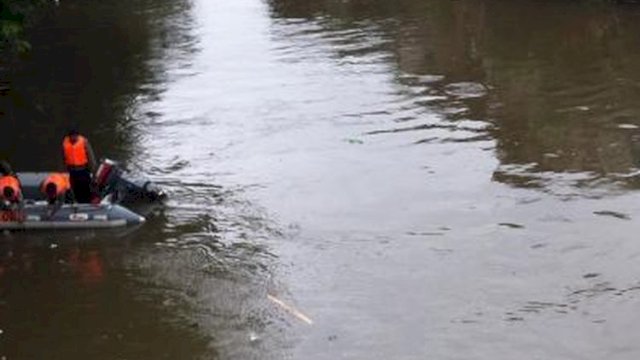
(10, 188)
(80, 163)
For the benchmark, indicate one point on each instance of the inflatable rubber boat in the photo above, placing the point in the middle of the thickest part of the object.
(41, 215)
(114, 186)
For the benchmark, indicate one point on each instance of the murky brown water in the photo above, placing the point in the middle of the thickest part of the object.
(422, 179)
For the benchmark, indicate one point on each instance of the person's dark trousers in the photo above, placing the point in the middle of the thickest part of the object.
(81, 184)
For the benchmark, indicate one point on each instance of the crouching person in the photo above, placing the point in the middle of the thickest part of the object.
(10, 189)
(57, 188)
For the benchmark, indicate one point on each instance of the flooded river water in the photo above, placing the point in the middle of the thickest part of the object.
(359, 179)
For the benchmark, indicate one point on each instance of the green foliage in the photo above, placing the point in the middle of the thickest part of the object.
(14, 15)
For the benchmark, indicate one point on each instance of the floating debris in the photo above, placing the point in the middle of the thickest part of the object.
(293, 311)
(614, 214)
(512, 225)
(627, 126)
(253, 337)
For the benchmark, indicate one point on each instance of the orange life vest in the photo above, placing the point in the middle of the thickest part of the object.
(75, 154)
(12, 182)
(61, 180)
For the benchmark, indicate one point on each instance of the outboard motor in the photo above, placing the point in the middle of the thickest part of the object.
(109, 179)
(106, 171)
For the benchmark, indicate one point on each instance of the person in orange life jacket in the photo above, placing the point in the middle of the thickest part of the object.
(56, 188)
(10, 189)
(80, 163)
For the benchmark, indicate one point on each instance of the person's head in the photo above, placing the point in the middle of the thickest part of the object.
(5, 168)
(51, 190)
(8, 193)
(73, 134)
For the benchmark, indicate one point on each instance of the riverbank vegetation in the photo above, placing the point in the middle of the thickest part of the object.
(14, 16)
